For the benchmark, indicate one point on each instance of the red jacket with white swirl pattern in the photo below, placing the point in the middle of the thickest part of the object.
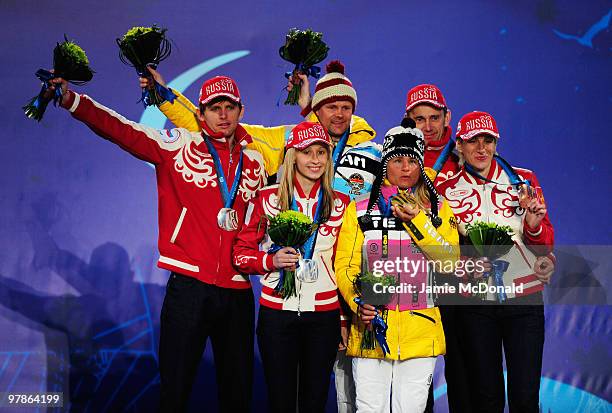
(252, 243)
(473, 199)
(190, 240)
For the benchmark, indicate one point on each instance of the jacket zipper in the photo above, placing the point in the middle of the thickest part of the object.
(300, 292)
(229, 167)
(423, 315)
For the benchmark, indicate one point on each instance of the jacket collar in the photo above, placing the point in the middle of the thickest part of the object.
(491, 176)
(300, 191)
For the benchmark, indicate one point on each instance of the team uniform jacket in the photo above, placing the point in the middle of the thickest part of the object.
(415, 327)
(190, 241)
(320, 295)
(473, 199)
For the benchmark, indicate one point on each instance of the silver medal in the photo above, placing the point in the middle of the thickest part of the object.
(308, 271)
(227, 219)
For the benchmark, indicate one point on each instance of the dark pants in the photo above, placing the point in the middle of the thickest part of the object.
(297, 349)
(192, 312)
(518, 330)
(455, 367)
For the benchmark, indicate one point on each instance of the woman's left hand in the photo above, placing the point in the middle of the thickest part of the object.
(536, 211)
(406, 212)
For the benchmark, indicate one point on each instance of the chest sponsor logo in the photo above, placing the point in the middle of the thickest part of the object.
(459, 193)
(357, 184)
(378, 223)
(169, 136)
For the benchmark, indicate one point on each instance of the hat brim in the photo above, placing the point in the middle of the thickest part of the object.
(477, 132)
(309, 142)
(430, 102)
(230, 96)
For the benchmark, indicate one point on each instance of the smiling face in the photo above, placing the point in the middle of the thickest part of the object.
(311, 162)
(431, 121)
(222, 117)
(403, 172)
(478, 151)
(335, 117)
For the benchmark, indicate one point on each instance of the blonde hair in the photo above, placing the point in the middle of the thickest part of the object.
(285, 185)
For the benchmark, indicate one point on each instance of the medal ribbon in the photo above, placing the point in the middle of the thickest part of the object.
(514, 178)
(228, 195)
(308, 247)
(339, 149)
(448, 148)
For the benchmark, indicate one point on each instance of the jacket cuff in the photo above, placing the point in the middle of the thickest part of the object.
(533, 232)
(306, 111)
(268, 263)
(71, 102)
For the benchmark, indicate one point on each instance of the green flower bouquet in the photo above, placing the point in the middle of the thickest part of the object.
(288, 229)
(367, 293)
(70, 63)
(492, 241)
(140, 47)
(303, 48)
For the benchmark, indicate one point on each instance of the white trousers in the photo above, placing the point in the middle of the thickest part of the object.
(383, 386)
(345, 387)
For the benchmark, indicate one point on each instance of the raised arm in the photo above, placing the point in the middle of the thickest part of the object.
(142, 141)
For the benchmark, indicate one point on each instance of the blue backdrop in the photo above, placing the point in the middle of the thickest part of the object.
(80, 293)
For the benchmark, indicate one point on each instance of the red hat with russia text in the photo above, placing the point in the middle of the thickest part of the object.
(219, 86)
(476, 123)
(425, 94)
(307, 133)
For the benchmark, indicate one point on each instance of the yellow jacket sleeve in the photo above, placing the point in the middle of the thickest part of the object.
(348, 255)
(181, 113)
(439, 244)
(270, 142)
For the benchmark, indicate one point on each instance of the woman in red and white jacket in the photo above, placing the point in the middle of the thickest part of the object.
(297, 334)
(490, 190)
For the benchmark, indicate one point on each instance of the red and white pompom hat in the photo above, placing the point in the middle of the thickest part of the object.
(334, 86)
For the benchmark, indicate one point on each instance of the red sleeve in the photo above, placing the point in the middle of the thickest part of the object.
(144, 142)
(544, 235)
(247, 256)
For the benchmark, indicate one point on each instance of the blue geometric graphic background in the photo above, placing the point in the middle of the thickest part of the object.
(80, 295)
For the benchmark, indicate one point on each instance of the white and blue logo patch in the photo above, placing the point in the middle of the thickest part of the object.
(170, 135)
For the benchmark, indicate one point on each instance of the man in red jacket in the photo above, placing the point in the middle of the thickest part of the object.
(204, 183)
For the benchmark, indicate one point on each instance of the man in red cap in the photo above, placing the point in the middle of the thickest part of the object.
(425, 104)
(205, 180)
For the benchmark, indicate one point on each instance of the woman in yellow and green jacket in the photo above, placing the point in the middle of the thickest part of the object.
(408, 242)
